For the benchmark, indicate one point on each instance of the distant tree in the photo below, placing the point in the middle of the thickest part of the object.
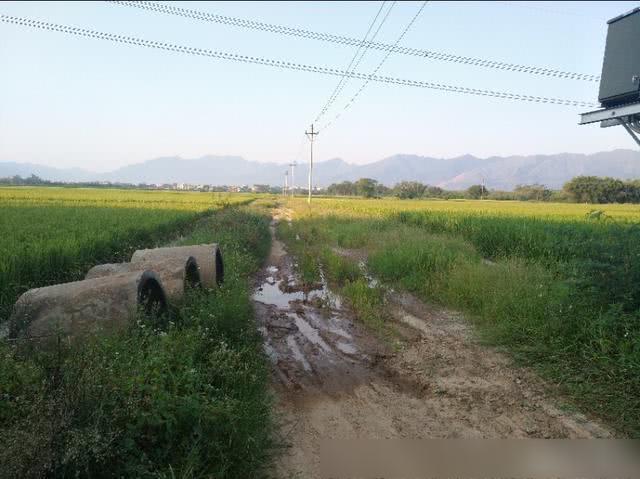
(409, 189)
(476, 192)
(632, 191)
(18, 180)
(434, 192)
(346, 188)
(366, 187)
(501, 195)
(383, 190)
(593, 189)
(533, 192)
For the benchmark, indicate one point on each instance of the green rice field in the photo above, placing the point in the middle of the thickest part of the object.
(52, 235)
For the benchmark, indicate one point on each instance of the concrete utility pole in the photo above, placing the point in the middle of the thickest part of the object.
(286, 183)
(293, 178)
(311, 135)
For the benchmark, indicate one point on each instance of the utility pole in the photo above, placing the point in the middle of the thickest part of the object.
(482, 190)
(311, 135)
(286, 183)
(293, 178)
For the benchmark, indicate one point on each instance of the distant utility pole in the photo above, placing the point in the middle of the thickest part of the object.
(286, 183)
(482, 190)
(311, 135)
(293, 178)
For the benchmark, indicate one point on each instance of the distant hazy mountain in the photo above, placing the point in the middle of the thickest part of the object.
(46, 172)
(453, 173)
(550, 170)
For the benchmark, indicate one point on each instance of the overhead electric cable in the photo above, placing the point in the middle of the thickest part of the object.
(375, 71)
(345, 79)
(340, 39)
(283, 64)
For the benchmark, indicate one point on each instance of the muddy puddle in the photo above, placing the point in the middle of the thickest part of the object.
(309, 335)
(282, 292)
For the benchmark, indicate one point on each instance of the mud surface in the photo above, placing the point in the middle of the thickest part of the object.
(335, 379)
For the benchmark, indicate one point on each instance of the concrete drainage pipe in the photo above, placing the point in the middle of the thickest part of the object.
(208, 257)
(90, 306)
(176, 273)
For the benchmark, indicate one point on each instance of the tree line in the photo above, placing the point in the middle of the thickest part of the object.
(581, 189)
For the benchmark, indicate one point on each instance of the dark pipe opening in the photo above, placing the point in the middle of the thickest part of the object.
(219, 267)
(192, 275)
(151, 295)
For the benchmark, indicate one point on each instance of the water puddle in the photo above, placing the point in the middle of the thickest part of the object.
(333, 300)
(303, 330)
(270, 293)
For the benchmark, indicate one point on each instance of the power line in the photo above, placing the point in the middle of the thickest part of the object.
(284, 64)
(343, 40)
(344, 79)
(375, 71)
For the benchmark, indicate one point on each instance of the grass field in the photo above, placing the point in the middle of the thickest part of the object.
(557, 285)
(186, 399)
(51, 235)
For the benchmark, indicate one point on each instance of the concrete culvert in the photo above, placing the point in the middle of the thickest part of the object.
(177, 273)
(207, 256)
(101, 304)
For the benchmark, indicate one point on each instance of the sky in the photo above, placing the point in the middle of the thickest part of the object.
(68, 101)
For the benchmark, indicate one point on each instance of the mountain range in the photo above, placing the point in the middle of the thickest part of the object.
(452, 173)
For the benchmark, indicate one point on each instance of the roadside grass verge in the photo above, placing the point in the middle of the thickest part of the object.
(574, 319)
(186, 399)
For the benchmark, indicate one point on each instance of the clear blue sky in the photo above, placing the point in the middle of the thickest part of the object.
(68, 101)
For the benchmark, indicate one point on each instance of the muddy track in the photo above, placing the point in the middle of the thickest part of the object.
(334, 379)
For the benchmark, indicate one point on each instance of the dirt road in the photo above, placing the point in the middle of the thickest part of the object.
(334, 379)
